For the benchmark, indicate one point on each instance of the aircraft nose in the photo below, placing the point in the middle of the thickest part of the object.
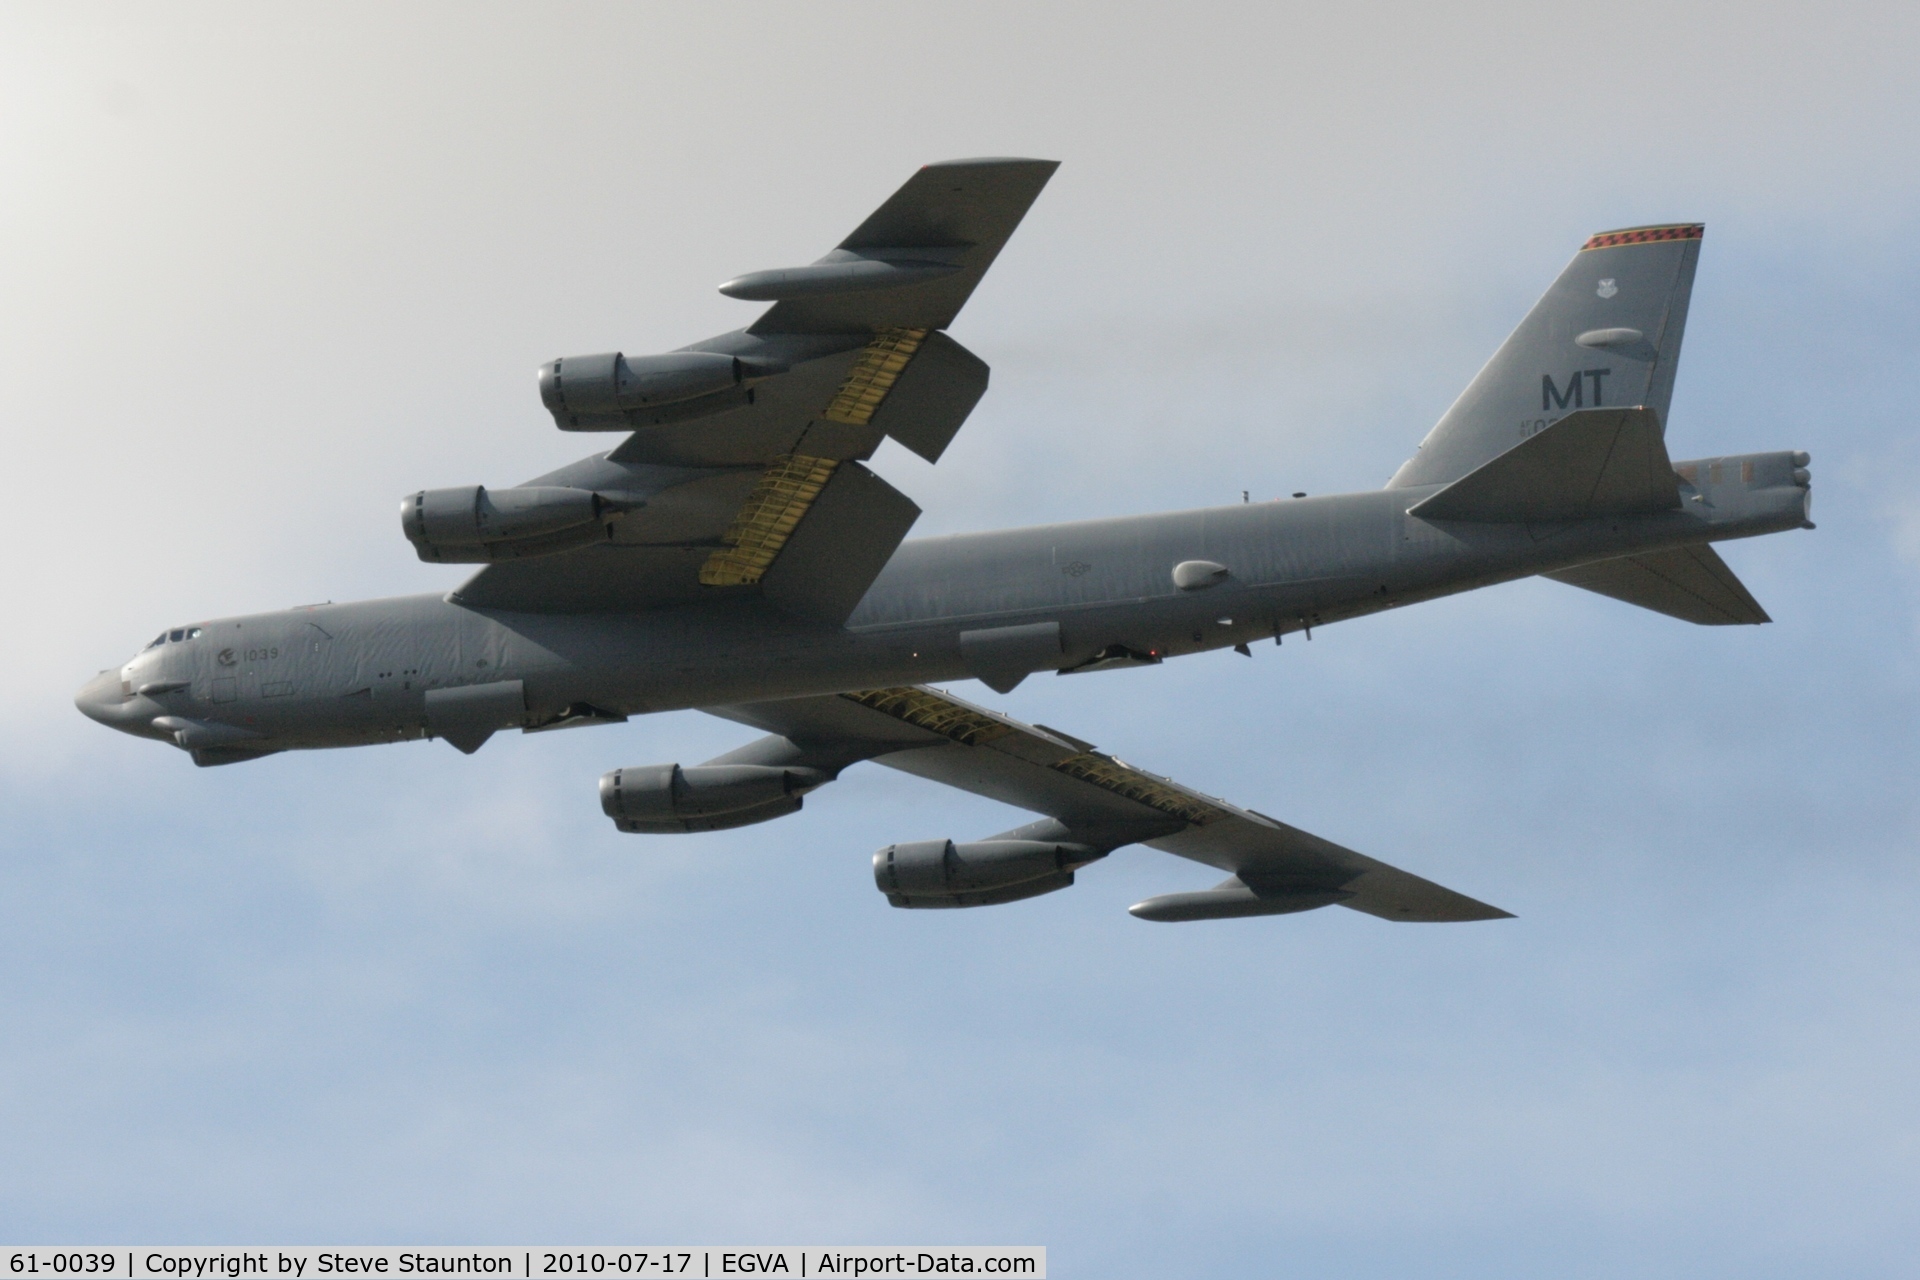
(100, 699)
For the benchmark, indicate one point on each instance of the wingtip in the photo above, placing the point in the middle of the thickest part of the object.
(1478, 912)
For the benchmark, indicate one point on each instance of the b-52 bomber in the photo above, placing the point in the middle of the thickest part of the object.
(733, 554)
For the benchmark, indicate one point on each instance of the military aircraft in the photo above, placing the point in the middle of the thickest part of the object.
(733, 554)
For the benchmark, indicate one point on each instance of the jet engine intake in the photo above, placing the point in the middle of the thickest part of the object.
(665, 799)
(475, 525)
(940, 873)
(616, 392)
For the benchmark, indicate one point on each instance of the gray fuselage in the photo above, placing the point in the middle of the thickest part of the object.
(354, 674)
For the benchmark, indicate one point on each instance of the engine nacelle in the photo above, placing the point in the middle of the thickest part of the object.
(664, 799)
(940, 873)
(474, 525)
(615, 392)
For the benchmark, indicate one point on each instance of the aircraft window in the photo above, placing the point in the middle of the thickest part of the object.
(193, 633)
(157, 640)
(176, 635)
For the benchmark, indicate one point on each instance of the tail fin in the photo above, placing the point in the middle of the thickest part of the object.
(1606, 334)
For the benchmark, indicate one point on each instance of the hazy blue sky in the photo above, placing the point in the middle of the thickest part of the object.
(263, 270)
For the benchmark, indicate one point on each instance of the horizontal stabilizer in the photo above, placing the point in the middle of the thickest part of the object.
(1692, 584)
(1593, 462)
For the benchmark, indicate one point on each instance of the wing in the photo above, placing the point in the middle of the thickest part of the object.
(758, 486)
(945, 226)
(1104, 802)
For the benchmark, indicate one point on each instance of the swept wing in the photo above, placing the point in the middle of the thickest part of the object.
(1101, 801)
(760, 487)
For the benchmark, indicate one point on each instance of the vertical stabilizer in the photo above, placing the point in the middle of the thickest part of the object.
(1606, 335)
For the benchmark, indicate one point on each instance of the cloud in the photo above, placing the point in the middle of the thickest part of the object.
(267, 272)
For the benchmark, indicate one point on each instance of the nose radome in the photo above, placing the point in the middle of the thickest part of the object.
(100, 697)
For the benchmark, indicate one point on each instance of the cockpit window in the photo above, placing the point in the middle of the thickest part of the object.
(175, 635)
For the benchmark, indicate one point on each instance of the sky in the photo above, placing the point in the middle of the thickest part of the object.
(266, 269)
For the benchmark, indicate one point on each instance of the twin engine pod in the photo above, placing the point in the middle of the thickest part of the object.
(664, 799)
(940, 873)
(471, 525)
(616, 392)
